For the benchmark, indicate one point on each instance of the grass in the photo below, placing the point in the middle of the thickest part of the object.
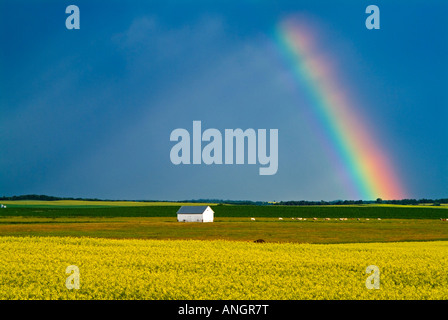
(229, 228)
(232, 222)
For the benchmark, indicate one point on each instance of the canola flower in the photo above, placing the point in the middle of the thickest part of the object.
(34, 268)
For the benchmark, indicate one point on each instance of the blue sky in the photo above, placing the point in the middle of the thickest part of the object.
(89, 112)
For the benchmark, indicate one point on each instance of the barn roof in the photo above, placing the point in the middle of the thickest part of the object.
(192, 209)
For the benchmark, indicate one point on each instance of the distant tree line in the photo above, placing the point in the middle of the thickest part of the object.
(221, 201)
(45, 198)
(434, 202)
(52, 198)
(378, 201)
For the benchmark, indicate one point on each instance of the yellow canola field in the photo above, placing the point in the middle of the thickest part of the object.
(34, 268)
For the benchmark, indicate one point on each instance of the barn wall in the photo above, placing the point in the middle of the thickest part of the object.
(190, 217)
(208, 216)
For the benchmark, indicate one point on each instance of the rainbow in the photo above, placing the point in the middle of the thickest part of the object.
(364, 167)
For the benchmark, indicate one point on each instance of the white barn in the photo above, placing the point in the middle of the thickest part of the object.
(195, 214)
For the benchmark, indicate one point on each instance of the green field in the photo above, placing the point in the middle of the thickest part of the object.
(105, 209)
(398, 223)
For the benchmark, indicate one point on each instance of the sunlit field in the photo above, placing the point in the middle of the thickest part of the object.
(142, 252)
(34, 268)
